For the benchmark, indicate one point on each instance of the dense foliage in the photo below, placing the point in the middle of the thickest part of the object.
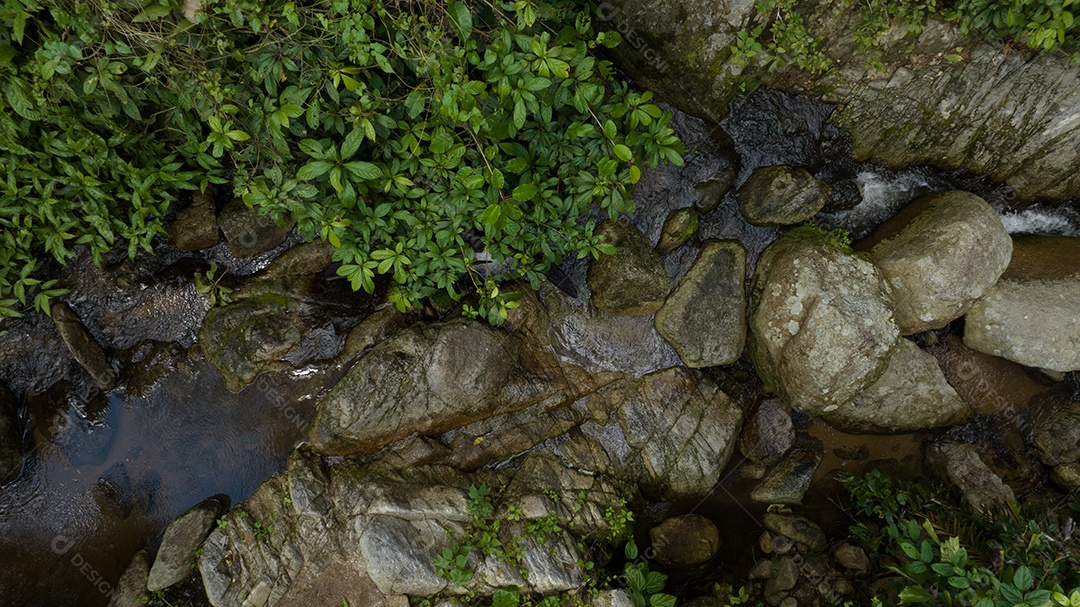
(412, 135)
(947, 556)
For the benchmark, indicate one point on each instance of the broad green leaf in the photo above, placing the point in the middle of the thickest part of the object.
(491, 215)
(351, 143)
(915, 594)
(461, 19)
(623, 153)
(313, 169)
(525, 192)
(363, 170)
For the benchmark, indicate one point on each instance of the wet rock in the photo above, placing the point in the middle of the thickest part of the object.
(781, 195)
(376, 538)
(631, 282)
(182, 539)
(1066, 477)
(768, 432)
(249, 337)
(307, 258)
(911, 395)
(1056, 438)
(250, 233)
(1032, 315)
(429, 379)
(679, 226)
(789, 480)
(798, 528)
(372, 330)
(613, 598)
(10, 439)
(939, 255)
(131, 588)
(820, 322)
(682, 432)
(704, 318)
(784, 579)
(685, 541)
(851, 557)
(196, 225)
(762, 570)
(710, 192)
(83, 346)
(960, 466)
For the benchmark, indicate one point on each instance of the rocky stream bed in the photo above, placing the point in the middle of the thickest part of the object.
(306, 445)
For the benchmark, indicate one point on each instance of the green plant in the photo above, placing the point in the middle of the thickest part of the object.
(644, 587)
(409, 138)
(947, 556)
(209, 285)
(620, 521)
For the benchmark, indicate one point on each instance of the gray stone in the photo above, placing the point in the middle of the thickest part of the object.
(249, 337)
(1032, 315)
(1057, 437)
(998, 113)
(798, 528)
(821, 323)
(1066, 476)
(762, 570)
(631, 282)
(940, 255)
(781, 195)
(195, 227)
(427, 379)
(682, 432)
(768, 432)
(685, 541)
(182, 539)
(250, 233)
(849, 556)
(83, 346)
(679, 226)
(789, 480)
(306, 258)
(131, 587)
(784, 579)
(960, 465)
(704, 318)
(613, 598)
(11, 457)
(911, 395)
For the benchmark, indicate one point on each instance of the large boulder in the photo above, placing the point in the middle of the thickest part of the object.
(911, 395)
(940, 254)
(996, 112)
(704, 318)
(428, 379)
(182, 540)
(685, 541)
(681, 432)
(781, 196)
(633, 280)
(1032, 315)
(348, 533)
(130, 590)
(821, 323)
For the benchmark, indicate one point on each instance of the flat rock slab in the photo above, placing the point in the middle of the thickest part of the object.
(1032, 315)
(704, 318)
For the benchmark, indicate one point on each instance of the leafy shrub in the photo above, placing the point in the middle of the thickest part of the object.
(410, 135)
(947, 556)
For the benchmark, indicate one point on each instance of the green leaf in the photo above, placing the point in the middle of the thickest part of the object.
(525, 192)
(623, 153)
(461, 20)
(152, 13)
(313, 169)
(18, 97)
(363, 170)
(1022, 579)
(915, 594)
(491, 215)
(18, 26)
(519, 113)
(351, 143)
(662, 600)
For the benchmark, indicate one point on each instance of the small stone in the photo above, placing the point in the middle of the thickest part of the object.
(843, 587)
(787, 575)
(685, 541)
(852, 557)
(789, 602)
(250, 233)
(632, 281)
(613, 598)
(798, 528)
(960, 465)
(307, 258)
(781, 195)
(782, 544)
(751, 471)
(680, 226)
(765, 542)
(789, 480)
(195, 227)
(768, 432)
(83, 346)
(762, 570)
(1066, 476)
